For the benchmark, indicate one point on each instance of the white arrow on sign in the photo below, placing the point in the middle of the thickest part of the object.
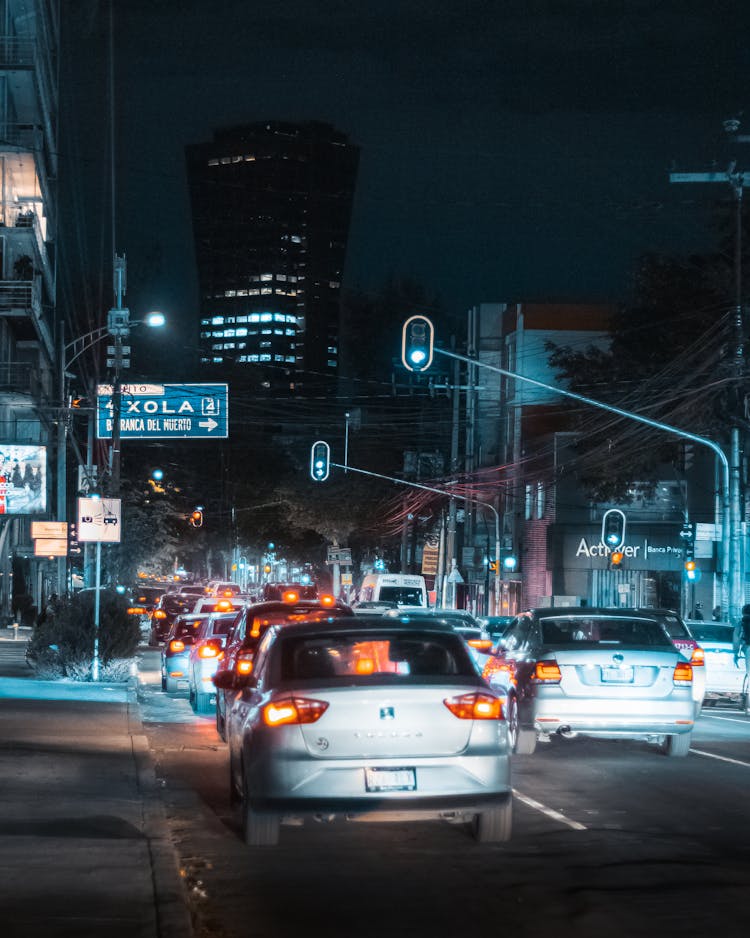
(210, 424)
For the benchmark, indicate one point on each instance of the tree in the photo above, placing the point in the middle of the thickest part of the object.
(668, 359)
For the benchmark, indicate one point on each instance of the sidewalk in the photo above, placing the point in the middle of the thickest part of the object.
(84, 846)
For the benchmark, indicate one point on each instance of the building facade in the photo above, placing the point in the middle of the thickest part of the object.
(28, 217)
(271, 207)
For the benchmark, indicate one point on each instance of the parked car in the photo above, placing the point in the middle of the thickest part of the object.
(170, 606)
(367, 720)
(726, 681)
(596, 672)
(203, 659)
(252, 624)
(176, 651)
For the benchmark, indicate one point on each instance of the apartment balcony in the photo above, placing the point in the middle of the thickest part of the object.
(24, 385)
(20, 300)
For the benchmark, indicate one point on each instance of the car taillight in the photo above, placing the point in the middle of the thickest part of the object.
(327, 600)
(244, 666)
(683, 673)
(293, 710)
(136, 611)
(476, 707)
(698, 658)
(209, 651)
(176, 645)
(482, 644)
(290, 596)
(159, 614)
(224, 605)
(547, 672)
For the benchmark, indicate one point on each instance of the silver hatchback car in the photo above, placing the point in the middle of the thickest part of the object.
(367, 719)
(595, 672)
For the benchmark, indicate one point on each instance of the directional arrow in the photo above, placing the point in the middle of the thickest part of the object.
(211, 424)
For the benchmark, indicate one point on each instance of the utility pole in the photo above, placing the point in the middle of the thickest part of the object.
(450, 552)
(737, 181)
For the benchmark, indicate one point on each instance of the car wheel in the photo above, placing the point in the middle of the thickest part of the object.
(677, 745)
(191, 699)
(260, 829)
(203, 703)
(512, 718)
(171, 686)
(526, 744)
(163, 682)
(494, 826)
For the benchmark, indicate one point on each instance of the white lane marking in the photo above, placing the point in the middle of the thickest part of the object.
(712, 755)
(727, 719)
(555, 815)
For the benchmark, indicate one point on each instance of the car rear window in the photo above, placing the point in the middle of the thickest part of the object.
(344, 656)
(601, 630)
(712, 633)
(675, 627)
(402, 595)
(223, 625)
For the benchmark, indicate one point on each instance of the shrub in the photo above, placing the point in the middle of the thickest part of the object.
(65, 639)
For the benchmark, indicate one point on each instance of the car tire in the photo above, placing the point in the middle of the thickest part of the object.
(495, 825)
(171, 686)
(202, 703)
(526, 744)
(163, 682)
(259, 829)
(512, 720)
(677, 746)
(191, 699)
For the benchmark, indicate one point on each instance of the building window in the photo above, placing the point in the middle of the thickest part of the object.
(540, 499)
(529, 502)
(217, 321)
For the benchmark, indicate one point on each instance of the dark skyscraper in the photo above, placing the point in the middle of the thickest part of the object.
(271, 205)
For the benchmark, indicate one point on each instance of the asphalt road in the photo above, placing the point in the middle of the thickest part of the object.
(610, 839)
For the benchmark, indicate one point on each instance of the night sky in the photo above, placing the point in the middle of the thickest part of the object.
(509, 150)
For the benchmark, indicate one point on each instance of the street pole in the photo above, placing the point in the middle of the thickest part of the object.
(733, 554)
(62, 478)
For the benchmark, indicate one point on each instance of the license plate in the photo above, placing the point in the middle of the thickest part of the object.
(617, 675)
(400, 779)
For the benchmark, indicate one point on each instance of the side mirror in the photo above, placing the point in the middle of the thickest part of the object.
(224, 680)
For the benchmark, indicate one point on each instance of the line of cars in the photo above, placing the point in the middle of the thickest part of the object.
(331, 712)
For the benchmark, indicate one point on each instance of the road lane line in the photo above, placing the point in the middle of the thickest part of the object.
(555, 815)
(729, 719)
(712, 755)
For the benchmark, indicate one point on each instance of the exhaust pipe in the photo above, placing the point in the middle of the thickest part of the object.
(566, 732)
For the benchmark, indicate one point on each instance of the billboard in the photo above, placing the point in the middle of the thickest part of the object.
(23, 479)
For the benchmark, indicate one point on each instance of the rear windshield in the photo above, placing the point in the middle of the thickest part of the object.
(223, 625)
(374, 654)
(600, 630)
(402, 595)
(674, 627)
(260, 623)
(709, 632)
(186, 628)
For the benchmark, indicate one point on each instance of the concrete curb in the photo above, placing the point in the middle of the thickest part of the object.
(172, 910)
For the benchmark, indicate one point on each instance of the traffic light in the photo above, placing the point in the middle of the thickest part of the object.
(320, 461)
(417, 340)
(196, 518)
(79, 403)
(691, 569)
(613, 528)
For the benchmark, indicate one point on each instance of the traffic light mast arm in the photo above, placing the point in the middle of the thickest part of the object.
(463, 498)
(730, 541)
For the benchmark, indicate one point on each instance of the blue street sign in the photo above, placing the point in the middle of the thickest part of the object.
(164, 411)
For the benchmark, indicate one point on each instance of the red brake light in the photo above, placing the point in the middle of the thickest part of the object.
(209, 651)
(683, 673)
(698, 658)
(547, 672)
(290, 596)
(159, 614)
(293, 710)
(176, 645)
(136, 611)
(476, 707)
(327, 600)
(224, 605)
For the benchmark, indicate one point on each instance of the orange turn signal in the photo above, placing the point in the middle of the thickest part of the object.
(698, 658)
(482, 644)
